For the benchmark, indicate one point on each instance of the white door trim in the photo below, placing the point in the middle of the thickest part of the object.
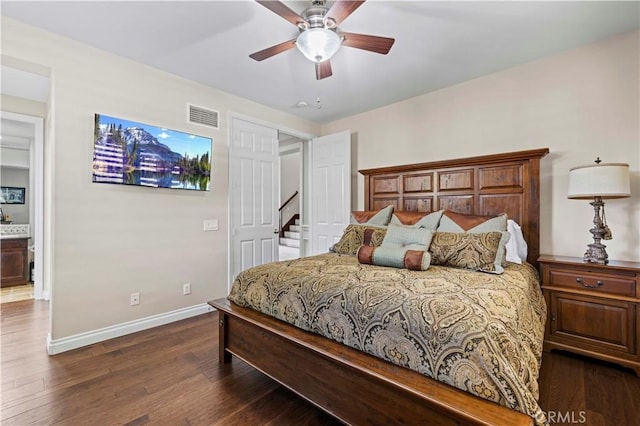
(278, 127)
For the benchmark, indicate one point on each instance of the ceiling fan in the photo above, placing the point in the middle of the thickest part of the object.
(319, 39)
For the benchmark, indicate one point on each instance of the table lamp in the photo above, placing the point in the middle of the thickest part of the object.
(599, 181)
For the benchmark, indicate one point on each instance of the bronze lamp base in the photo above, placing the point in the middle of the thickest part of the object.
(596, 252)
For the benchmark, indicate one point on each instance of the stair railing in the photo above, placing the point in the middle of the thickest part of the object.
(283, 209)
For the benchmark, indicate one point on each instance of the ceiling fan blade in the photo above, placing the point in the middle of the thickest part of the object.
(323, 70)
(368, 42)
(341, 9)
(280, 9)
(273, 50)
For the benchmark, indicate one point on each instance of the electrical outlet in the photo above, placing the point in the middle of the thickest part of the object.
(134, 299)
(186, 289)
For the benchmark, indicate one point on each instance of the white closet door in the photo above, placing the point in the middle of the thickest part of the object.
(254, 166)
(330, 189)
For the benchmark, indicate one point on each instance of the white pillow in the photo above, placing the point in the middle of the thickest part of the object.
(516, 246)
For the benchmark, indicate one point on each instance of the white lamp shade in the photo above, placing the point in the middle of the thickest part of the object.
(318, 44)
(599, 180)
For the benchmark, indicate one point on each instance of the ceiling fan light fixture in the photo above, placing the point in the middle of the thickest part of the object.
(318, 44)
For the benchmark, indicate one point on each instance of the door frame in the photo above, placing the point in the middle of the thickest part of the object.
(36, 180)
(231, 198)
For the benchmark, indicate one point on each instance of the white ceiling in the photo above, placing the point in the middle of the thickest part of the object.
(438, 44)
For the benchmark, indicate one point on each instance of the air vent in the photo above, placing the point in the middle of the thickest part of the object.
(202, 116)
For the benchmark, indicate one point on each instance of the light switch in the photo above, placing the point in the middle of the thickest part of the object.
(210, 224)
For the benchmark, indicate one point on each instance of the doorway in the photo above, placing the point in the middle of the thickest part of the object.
(22, 166)
(290, 244)
(254, 192)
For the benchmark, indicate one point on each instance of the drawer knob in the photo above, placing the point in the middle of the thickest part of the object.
(596, 285)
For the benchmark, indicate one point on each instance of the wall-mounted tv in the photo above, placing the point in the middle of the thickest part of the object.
(131, 153)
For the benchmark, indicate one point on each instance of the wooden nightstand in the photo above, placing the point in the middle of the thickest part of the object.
(593, 309)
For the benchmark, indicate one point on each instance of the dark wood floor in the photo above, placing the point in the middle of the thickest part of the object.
(170, 375)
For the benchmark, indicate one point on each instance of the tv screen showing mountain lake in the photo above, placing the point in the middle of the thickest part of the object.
(130, 153)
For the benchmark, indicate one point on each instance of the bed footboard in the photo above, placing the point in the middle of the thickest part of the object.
(352, 386)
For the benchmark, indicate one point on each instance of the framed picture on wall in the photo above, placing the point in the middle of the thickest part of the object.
(11, 195)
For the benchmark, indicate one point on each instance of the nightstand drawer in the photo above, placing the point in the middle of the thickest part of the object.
(589, 281)
(593, 322)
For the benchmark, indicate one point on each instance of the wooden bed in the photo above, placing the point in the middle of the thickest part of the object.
(364, 389)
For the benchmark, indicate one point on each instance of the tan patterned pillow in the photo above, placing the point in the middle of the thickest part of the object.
(358, 235)
(475, 251)
(458, 222)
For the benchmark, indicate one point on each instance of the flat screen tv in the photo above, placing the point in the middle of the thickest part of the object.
(131, 153)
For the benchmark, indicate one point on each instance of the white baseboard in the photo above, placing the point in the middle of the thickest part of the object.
(56, 346)
(44, 296)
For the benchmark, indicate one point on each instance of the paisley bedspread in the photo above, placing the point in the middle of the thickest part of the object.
(479, 332)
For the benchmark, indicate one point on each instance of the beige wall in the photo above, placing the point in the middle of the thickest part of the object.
(289, 175)
(290, 165)
(581, 104)
(113, 240)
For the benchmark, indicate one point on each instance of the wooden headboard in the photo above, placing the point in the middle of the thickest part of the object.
(485, 185)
